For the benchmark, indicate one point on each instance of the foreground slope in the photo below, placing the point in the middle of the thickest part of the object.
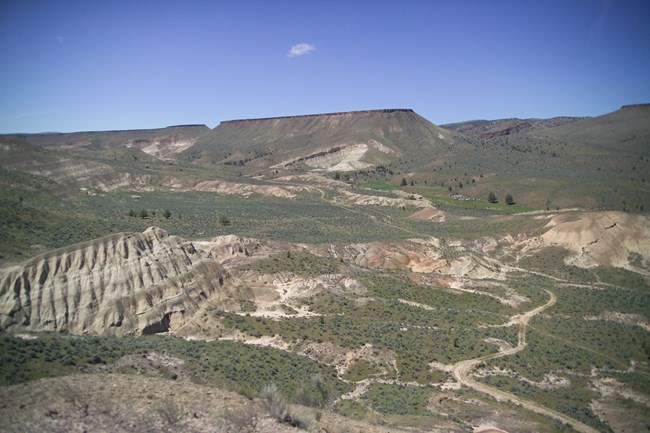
(358, 314)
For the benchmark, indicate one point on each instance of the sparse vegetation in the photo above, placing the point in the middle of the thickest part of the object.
(395, 330)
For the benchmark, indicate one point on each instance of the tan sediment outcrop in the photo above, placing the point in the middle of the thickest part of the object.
(604, 238)
(126, 283)
(344, 358)
(402, 201)
(225, 187)
(342, 157)
(428, 213)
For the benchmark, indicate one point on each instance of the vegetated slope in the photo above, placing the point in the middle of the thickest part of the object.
(600, 162)
(121, 284)
(499, 127)
(363, 308)
(151, 282)
(337, 141)
(624, 131)
(161, 143)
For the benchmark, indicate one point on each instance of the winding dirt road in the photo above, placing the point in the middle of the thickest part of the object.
(462, 370)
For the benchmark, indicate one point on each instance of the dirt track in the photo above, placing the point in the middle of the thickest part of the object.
(462, 370)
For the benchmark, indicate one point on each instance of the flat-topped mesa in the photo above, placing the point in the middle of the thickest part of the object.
(341, 113)
(341, 141)
(645, 105)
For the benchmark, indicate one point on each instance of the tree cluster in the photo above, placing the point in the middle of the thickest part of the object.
(492, 198)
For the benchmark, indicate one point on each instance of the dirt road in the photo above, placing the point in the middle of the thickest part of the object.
(463, 369)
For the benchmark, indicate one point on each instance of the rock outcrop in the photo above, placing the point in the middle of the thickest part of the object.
(603, 239)
(126, 283)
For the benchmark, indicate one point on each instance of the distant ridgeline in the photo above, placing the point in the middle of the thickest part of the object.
(646, 105)
(341, 113)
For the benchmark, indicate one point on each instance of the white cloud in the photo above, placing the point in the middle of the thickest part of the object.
(301, 50)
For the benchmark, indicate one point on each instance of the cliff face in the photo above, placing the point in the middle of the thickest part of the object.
(324, 115)
(127, 283)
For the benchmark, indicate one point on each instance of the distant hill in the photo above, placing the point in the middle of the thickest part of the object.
(496, 128)
(596, 163)
(63, 174)
(333, 142)
(599, 162)
(161, 143)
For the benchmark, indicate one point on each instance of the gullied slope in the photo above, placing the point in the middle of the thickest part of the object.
(127, 283)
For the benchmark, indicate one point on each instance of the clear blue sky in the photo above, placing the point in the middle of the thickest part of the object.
(97, 65)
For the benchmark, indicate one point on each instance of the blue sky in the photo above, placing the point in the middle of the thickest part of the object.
(98, 65)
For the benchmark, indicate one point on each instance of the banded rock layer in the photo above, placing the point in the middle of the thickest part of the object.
(126, 283)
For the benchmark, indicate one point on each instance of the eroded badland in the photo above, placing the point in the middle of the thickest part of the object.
(336, 272)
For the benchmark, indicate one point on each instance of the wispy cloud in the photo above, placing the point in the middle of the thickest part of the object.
(597, 26)
(300, 50)
(60, 39)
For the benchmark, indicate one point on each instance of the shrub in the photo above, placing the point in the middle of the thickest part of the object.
(242, 420)
(277, 404)
(169, 412)
(278, 408)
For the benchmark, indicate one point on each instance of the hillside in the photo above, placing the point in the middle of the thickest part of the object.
(161, 143)
(326, 142)
(495, 128)
(355, 315)
(543, 164)
(61, 173)
(598, 163)
(342, 272)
